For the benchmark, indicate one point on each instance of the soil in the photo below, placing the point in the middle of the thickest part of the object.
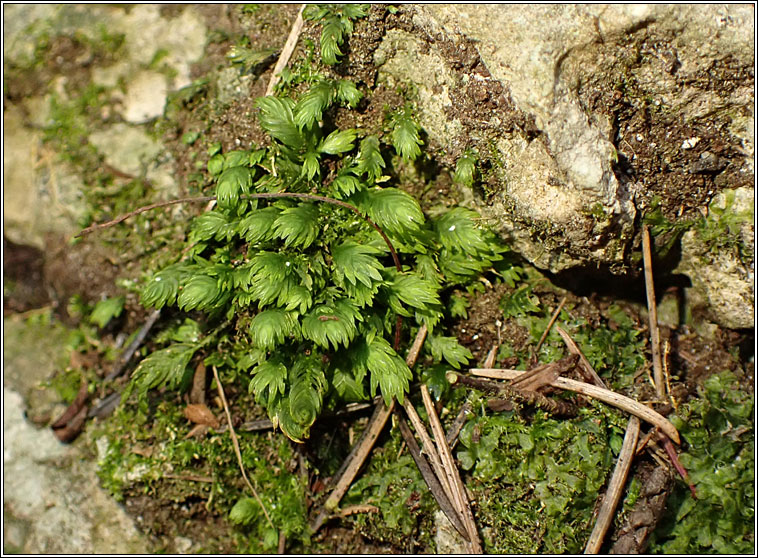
(649, 136)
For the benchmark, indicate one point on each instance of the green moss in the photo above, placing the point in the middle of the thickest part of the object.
(721, 230)
(535, 479)
(393, 484)
(131, 462)
(66, 384)
(719, 430)
(71, 122)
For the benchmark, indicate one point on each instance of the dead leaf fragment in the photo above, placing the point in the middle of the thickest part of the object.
(199, 413)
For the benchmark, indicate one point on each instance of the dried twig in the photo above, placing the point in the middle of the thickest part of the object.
(615, 487)
(73, 409)
(655, 333)
(432, 480)
(236, 445)
(72, 428)
(610, 397)
(550, 324)
(489, 360)
(553, 406)
(289, 48)
(456, 484)
(354, 461)
(415, 349)
(428, 446)
(451, 437)
(586, 366)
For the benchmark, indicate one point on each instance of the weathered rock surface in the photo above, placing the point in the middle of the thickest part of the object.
(585, 114)
(723, 279)
(52, 500)
(41, 194)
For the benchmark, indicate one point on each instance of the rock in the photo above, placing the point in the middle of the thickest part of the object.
(718, 256)
(41, 195)
(549, 95)
(447, 539)
(145, 97)
(179, 40)
(51, 496)
(130, 150)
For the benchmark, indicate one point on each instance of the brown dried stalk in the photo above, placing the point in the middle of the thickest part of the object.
(289, 48)
(354, 461)
(534, 398)
(615, 487)
(610, 397)
(550, 324)
(432, 481)
(586, 366)
(236, 445)
(655, 332)
(457, 489)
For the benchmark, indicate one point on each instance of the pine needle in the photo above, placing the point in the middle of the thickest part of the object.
(289, 48)
(550, 324)
(615, 487)
(655, 333)
(606, 396)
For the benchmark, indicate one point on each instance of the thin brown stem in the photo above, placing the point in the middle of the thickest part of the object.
(615, 487)
(350, 467)
(655, 332)
(432, 480)
(236, 445)
(606, 396)
(456, 484)
(289, 48)
(550, 325)
(428, 446)
(586, 366)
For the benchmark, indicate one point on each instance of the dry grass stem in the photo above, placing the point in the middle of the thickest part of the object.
(415, 349)
(356, 458)
(615, 487)
(358, 455)
(606, 396)
(574, 349)
(489, 362)
(550, 324)
(428, 447)
(431, 479)
(236, 445)
(537, 377)
(289, 48)
(458, 491)
(655, 332)
(455, 428)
